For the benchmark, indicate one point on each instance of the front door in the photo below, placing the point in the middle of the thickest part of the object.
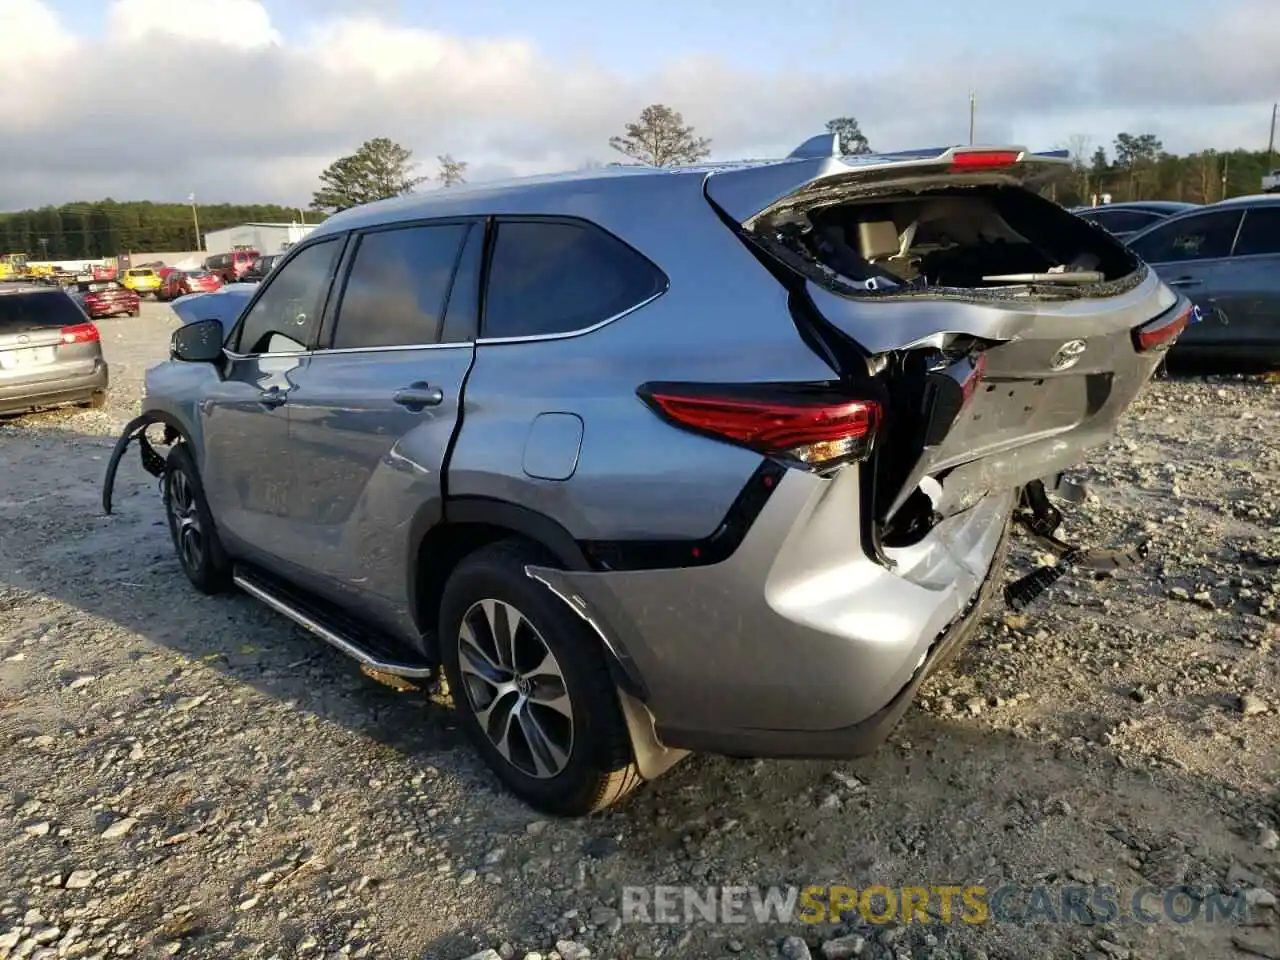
(247, 474)
(1188, 253)
(374, 410)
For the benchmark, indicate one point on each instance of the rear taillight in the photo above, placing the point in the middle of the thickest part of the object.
(81, 333)
(1161, 332)
(810, 424)
(964, 161)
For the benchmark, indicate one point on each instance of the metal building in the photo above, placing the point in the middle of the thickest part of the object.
(263, 237)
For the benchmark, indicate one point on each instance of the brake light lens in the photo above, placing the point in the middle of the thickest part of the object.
(809, 424)
(967, 161)
(81, 333)
(1160, 332)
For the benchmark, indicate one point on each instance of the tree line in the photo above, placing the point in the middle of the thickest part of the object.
(1139, 168)
(1136, 167)
(106, 228)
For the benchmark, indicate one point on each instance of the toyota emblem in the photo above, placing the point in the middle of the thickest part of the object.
(1068, 355)
(23, 338)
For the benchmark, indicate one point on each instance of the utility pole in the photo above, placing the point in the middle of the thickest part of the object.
(973, 109)
(195, 220)
(1226, 168)
(1271, 141)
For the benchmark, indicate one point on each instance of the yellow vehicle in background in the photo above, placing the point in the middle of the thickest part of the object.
(13, 266)
(142, 280)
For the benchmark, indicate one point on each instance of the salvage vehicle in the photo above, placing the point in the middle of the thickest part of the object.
(180, 283)
(1226, 257)
(1123, 220)
(645, 461)
(105, 298)
(50, 352)
(260, 267)
(142, 280)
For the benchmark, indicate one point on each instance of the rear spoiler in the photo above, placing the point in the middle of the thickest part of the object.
(744, 193)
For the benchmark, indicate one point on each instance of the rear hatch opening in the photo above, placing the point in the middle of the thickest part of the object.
(995, 328)
(982, 241)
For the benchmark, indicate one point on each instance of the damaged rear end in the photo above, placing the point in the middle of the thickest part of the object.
(1002, 336)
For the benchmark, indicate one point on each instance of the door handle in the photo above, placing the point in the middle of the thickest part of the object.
(418, 395)
(1186, 282)
(273, 397)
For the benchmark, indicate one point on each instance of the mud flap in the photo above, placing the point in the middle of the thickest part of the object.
(1040, 519)
(152, 462)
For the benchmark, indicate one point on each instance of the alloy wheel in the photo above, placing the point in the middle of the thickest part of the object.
(516, 688)
(186, 520)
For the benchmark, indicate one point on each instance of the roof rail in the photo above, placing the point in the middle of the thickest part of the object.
(815, 148)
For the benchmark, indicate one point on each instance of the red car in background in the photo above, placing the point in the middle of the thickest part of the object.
(179, 283)
(106, 298)
(231, 266)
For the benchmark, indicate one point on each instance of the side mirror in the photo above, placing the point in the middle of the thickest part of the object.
(199, 342)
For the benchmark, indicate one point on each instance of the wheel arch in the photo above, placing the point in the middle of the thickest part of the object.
(135, 429)
(443, 534)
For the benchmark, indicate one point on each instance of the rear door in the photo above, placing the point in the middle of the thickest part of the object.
(373, 413)
(248, 475)
(1247, 285)
(1190, 253)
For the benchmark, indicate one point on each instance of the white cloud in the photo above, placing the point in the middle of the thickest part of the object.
(241, 24)
(211, 96)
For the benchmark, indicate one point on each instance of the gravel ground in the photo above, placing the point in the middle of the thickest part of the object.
(195, 776)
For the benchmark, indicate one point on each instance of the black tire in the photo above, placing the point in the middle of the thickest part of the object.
(195, 539)
(600, 769)
(97, 401)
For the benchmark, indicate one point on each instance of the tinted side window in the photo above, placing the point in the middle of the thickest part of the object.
(1260, 232)
(555, 277)
(1202, 237)
(287, 314)
(398, 286)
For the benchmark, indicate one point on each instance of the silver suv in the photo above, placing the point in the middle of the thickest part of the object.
(50, 351)
(720, 458)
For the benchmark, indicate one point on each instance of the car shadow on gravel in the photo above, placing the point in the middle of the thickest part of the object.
(947, 800)
(121, 568)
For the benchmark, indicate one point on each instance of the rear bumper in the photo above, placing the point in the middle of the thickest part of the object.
(798, 645)
(97, 312)
(53, 391)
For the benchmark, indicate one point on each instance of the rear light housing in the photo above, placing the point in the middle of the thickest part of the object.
(1162, 331)
(970, 161)
(814, 426)
(81, 333)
